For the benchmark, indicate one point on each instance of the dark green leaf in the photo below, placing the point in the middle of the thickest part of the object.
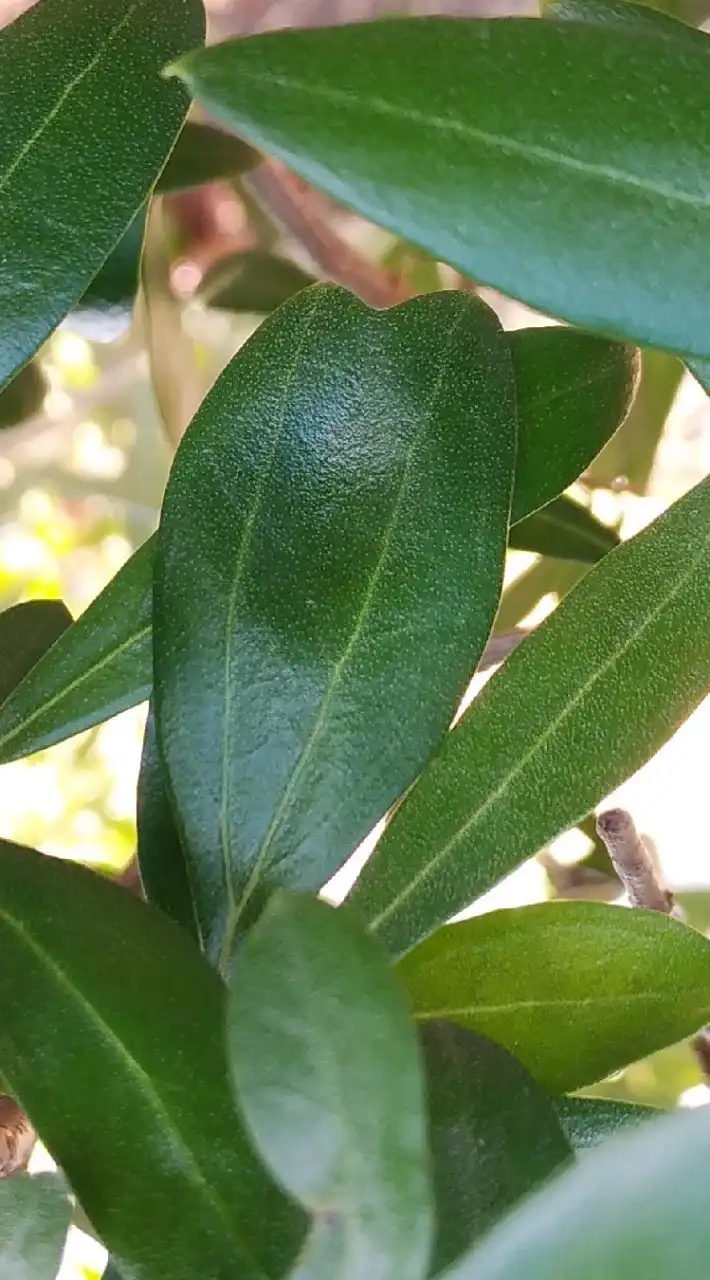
(99, 666)
(105, 309)
(205, 154)
(329, 566)
(24, 396)
(34, 1220)
(112, 1042)
(636, 1207)
(566, 719)
(565, 530)
(587, 1122)
(88, 121)
(625, 13)
(629, 456)
(575, 990)
(27, 631)
(256, 282)
(574, 390)
(163, 869)
(326, 1071)
(494, 154)
(493, 1135)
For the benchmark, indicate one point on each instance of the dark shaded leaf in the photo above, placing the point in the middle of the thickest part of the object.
(34, 1220)
(27, 631)
(105, 309)
(163, 868)
(112, 1042)
(607, 986)
(493, 1135)
(255, 281)
(636, 1207)
(574, 390)
(587, 1122)
(204, 154)
(326, 1071)
(88, 121)
(329, 566)
(565, 530)
(24, 396)
(567, 718)
(629, 456)
(97, 667)
(493, 154)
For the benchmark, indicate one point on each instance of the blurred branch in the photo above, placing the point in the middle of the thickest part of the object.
(17, 1137)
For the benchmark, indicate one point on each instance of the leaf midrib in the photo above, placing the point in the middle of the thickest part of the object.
(474, 1010)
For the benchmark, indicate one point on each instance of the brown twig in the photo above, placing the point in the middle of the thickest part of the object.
(17, 1137)
(304, 214)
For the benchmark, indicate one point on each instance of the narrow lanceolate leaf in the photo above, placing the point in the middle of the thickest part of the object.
(629, 456)
(88, 122)
(205, 154)
(97, 667)
(326, 1071)
(34, 1220)
(573, 391)
(160, 853)
(615, 12)
(567, 718)
(493, 1135)
(575, 990)
(565, 530)
(27, 631)
(329, 567)
(587, 1122)
(112, 1042)
(515, 177)
(637, 1207)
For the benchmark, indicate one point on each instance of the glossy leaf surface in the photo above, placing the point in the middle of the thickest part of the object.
(573, 391)
(637, 1207)
(88, 123)
(110, 1008)
(27, 631)
(326, 1070)
(256, 282)
(160, 854)
(329, 567)
(575, 990)
(204, 154)
(99, 666)
(493, 154)
(493, 1135)
(34, 1220)
(566, 530)
(541, 744)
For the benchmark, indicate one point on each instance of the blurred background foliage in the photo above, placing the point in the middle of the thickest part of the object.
(88, 430)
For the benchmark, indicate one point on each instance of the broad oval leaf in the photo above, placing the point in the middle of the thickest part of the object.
(343, 492)
(636, 1207)
(161, 859)
(34, 1220)
(573, 391)
(204, 154)
(112, 1042)
(587, 1122)
(326, 1071)
(515, 177)
(493, 1135)
(575, 990)
(88, 124)
(99, 666)
(568, 717)
(566, 530)
(27, 631)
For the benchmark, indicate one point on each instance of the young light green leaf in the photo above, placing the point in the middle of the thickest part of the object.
(112, 1043)
(329, 567)
(255, 281)
(326, 1071)
(163, 868)
(204, 154)
(514, 177)
(34, 1220)
(27, 631)
(565, 530)
(78, 156)
(605, 987)
(586, 1122)
(24, 396)
(566, 719)
(97, 667)
(573, 390)
(636, 1207)
(493, 1135)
